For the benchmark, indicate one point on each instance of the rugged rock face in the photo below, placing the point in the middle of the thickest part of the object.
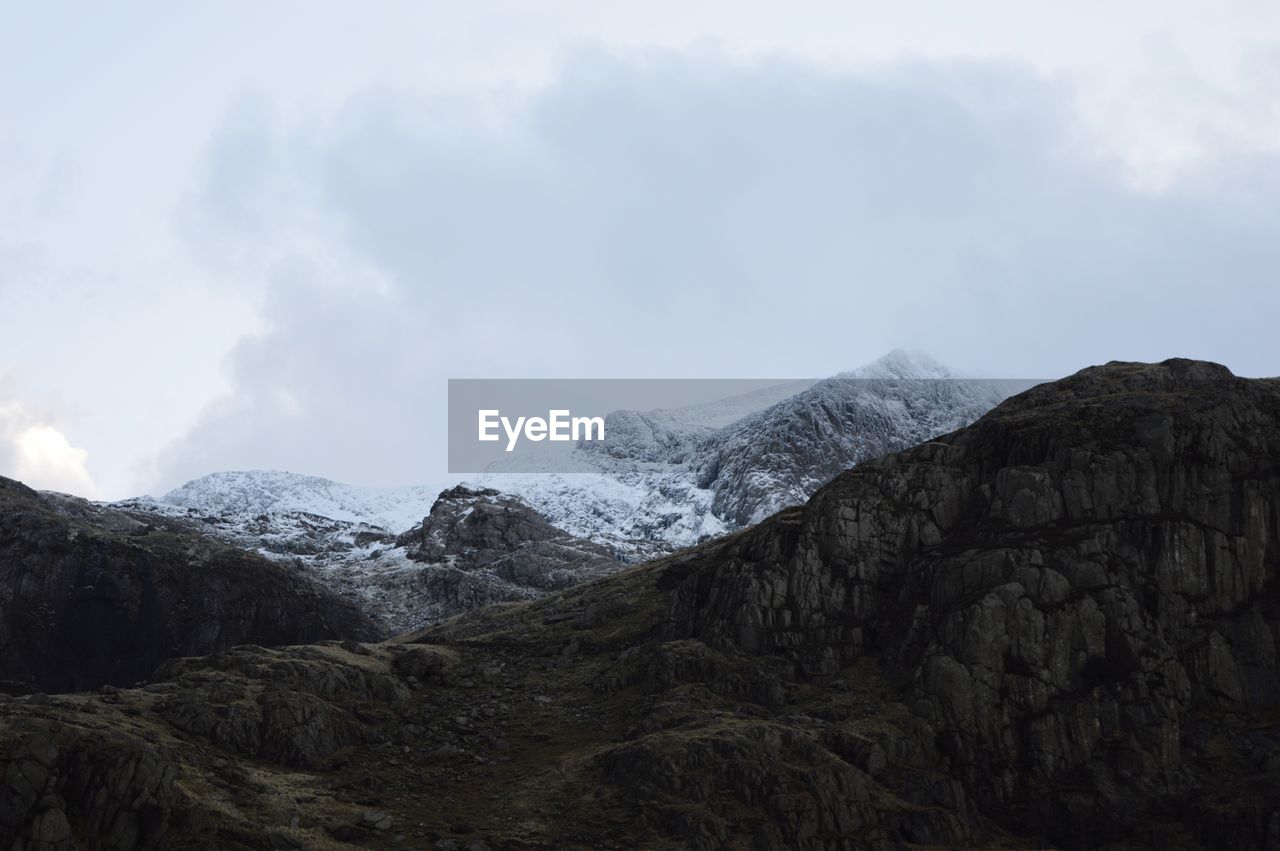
(1055, 627)
(479, 546)
(1067, 590)
(119, 788)
(91, 596)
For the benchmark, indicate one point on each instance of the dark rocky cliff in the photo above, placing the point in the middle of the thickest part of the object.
(1066, 591)
(91, 596)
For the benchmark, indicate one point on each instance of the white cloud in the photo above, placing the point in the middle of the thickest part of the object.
(39, 455)
(686, 216)
(426, 181)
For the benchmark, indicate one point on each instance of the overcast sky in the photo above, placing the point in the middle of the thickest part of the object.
(241, 235)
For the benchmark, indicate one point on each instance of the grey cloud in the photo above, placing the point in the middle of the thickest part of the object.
(683, 217)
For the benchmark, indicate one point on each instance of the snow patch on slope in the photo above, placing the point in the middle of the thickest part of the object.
(253, 492)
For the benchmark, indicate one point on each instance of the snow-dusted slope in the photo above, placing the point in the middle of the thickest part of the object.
(498, 547)
(780, 456)
(723, 477)
(666, 479)
(252, 492)
(289, 514)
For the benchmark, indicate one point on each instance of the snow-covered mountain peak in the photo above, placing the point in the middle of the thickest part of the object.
(253, 492)
(248, 490)
(669, 478)
(901, 364)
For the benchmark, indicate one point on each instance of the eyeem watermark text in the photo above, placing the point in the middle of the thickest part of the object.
(558, 425)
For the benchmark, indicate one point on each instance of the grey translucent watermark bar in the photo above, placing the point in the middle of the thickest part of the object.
(594, 425)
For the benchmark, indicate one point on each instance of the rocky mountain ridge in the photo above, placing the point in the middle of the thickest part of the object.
(666, 479)
(782, 455)
(1056, 627)
(1068, 591)
(474, 547)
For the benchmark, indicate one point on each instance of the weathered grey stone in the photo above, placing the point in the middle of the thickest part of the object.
(478, 547)
(1089, 563)
(120, 787)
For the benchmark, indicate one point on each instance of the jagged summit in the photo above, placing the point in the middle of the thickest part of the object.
(783, 454)
(479, 546)
(901, 363)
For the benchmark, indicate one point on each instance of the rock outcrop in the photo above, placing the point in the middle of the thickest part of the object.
(92, 596)
(479, 546)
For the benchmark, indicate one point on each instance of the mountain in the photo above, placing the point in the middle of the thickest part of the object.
(466, 548)
(1077, 598)
(780, 456)
(264, 491)
(92, 596)
(739, 460)
(286, 515)
(665, 479)
(1055, 627)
